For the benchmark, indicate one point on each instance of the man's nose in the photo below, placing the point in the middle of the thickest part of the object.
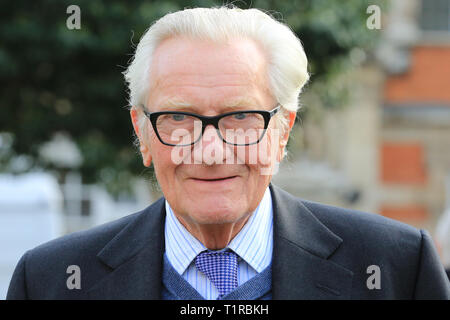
(211, 149)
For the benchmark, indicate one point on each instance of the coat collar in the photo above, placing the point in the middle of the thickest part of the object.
(303, 246)
(301, 268)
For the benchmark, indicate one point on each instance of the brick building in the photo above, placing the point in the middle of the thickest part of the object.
(388, 150)
(415, 131)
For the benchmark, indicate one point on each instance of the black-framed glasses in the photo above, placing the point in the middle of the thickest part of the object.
(239, 128)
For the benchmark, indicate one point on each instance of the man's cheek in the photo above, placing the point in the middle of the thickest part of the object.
(268, 152)
(236, 154)
(246, 155)
(260, 154)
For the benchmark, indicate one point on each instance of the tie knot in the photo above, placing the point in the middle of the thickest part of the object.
(220, 267)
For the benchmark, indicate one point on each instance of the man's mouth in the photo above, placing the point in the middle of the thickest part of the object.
(215, 179)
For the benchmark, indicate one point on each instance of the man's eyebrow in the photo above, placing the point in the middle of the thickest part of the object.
(240, 102)
(177, 104)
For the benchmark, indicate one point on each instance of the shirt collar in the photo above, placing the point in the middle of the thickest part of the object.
(181, 246)
(253, 243)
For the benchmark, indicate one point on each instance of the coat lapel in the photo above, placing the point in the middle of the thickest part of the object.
(302, 268)
(134, 258)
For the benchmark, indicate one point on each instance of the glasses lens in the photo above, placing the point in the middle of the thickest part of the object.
(178, 129)
(242, 128)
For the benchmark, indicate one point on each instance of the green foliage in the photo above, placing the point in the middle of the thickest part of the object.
(55, 79)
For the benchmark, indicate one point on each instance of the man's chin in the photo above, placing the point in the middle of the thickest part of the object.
(214, 213)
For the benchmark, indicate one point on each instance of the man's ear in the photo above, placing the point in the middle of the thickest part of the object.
(292, 116)
(284, 139)
(144, 148)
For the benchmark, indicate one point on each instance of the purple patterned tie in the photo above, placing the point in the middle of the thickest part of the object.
(220, 268)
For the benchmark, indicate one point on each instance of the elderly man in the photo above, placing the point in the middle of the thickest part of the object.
(214, 94)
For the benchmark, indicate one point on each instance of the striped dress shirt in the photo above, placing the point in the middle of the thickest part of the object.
(253, 245)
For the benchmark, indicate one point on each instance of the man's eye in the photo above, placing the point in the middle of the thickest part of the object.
(240, 116)
(178, 117)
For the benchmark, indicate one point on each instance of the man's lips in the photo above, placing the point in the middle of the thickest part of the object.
(209, 179)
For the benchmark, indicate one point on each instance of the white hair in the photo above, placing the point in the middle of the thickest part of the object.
(286, 57)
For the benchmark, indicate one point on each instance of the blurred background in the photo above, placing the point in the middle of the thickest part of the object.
(373, 133)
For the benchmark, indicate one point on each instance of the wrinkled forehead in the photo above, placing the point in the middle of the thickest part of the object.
(206, 63)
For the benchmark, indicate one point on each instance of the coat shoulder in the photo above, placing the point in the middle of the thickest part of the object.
(359, 222)
(361, 229)
(407, 262)
(93, 239)
(89, 240)
(42, 271)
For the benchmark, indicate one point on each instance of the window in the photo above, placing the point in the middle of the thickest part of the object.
(435, 15)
